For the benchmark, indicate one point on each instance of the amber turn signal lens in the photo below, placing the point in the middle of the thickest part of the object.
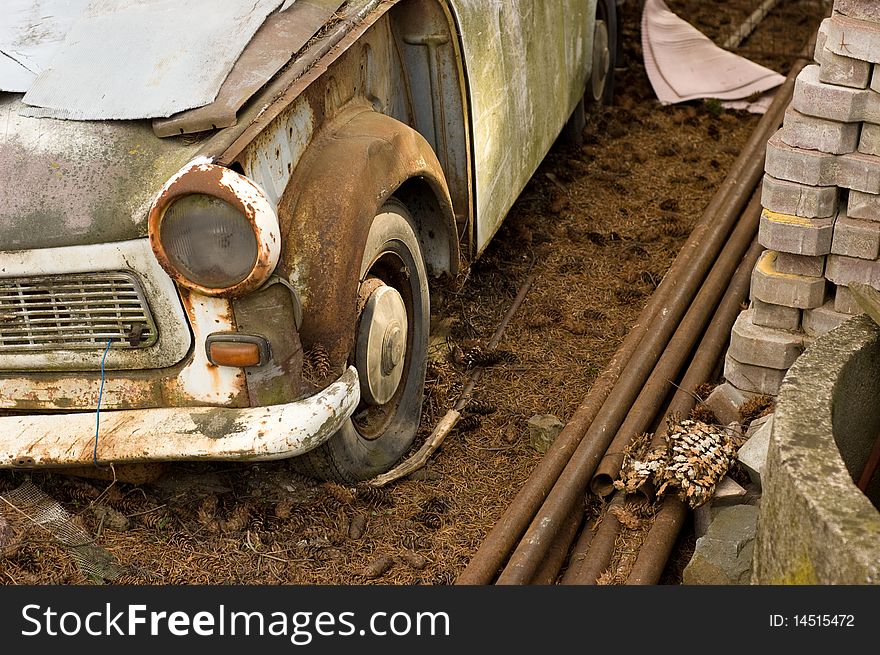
(228, 353)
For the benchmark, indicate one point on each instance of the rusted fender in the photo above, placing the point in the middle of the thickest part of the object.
(352, 167)
(176, 434)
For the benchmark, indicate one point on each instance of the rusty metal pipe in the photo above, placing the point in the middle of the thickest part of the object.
(579, 551)
(548, 573)
(657, 546)
(601, 548)
(654, 552)
(678, 349)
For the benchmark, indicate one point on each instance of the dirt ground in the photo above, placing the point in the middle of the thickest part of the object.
(597, 226)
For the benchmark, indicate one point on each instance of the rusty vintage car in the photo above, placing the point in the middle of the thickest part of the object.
(248, 278)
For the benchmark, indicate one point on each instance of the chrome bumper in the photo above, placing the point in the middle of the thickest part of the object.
(177, 433)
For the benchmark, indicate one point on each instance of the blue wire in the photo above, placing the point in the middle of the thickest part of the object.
(100, 395)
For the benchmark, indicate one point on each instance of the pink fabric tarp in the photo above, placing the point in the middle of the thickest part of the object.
(684, 64)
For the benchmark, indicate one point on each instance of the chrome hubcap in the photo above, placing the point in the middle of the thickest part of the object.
(381, 345)
(601, 59)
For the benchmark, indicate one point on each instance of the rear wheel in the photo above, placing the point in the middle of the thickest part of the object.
(600, 85)
(390, 354)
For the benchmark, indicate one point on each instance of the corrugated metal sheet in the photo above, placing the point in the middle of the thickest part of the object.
(147, 59)
(30, 33)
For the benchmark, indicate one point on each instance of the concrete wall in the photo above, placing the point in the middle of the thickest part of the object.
(815, 526)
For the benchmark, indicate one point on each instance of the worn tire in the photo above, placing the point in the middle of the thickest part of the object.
(600, 86)
(376, 437)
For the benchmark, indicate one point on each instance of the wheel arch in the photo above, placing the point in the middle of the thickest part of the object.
(352, 167)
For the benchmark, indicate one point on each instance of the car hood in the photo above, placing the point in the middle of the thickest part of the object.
(66, 183)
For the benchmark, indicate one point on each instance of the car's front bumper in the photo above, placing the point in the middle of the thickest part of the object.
(178, 433)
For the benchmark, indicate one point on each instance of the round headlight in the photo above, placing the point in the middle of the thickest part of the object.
(214, 231)
(208, 241)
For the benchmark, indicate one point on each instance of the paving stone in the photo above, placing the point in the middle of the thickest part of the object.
(846, 270)
(763, 346)
(869, 139)
(845, 302)
(863, 205)
(756, 379)
(823, 319)
(787, 262)
(802, 131)
(861, 9)
(775, 316)
(838, 69)
(725, 401)
(756, 424)
(770, 286)
(753, 453)
(787, 197)
(856, 238)
(813, 97)
(724, 555)
(854, 170)
(795, 234)
(854, 37)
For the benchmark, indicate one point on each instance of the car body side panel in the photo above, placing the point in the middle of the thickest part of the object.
(527, 64)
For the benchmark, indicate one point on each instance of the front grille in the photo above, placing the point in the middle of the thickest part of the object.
(81, 311)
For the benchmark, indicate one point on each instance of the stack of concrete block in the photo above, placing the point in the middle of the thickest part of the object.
(821, 198)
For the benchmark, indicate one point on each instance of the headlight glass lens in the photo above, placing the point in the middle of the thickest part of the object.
(208, 241)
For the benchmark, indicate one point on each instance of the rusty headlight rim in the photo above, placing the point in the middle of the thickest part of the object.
(202, 177)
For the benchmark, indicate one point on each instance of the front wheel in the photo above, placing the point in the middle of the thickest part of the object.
(390, 354)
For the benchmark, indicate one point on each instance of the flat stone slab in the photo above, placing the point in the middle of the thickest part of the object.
(756, 379)
(854, 37)
(724, 555)
(803, 131)
(763, 346)
(787, 197)
(845, 302)
(775, 316)
(817, 322)
(854, 237)
(811, 266)
(845, 270)
(860, 9)
(753, 453)
(771, 286)
(839, 69)
(725, 401)
(863, 205)
(854, 170)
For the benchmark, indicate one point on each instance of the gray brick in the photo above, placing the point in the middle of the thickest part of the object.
(795, 234)
(845, 302)
(869, 139)
(776, 288)
(787, 262)
(763, 346)
(756, 379)
(846, 270)
(854, 170)
(814, 97)
(861, 9)
(863, 205)
(856, 238)
(822, 319)
(775, 316)
(837, 69)
(787, 197)
(853, 37)
(802, 131)
(725, 401)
